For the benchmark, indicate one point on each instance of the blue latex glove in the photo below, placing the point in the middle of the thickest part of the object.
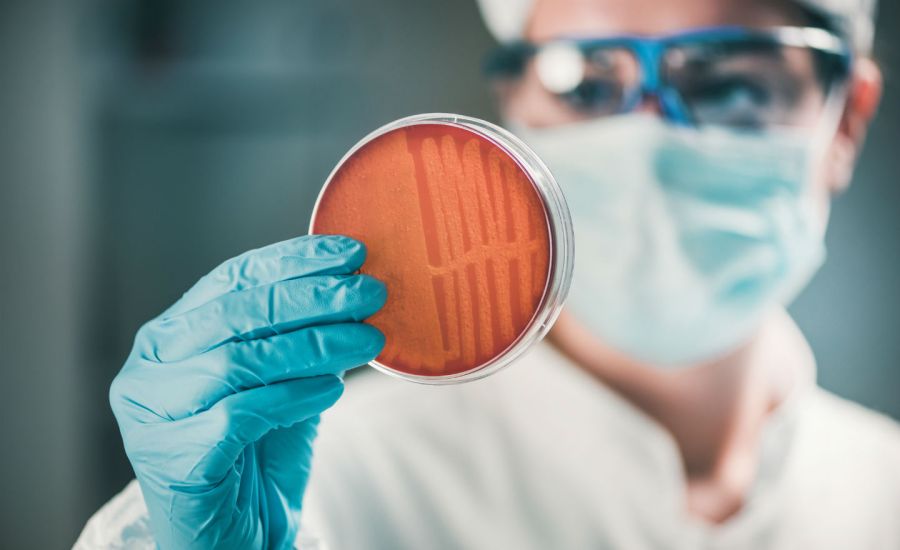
(219, 399)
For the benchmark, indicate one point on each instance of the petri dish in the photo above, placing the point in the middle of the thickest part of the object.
(470, 233)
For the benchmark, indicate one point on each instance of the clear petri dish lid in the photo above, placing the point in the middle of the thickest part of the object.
(470, 233)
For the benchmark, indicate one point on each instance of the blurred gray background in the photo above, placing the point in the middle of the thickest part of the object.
(144, 141)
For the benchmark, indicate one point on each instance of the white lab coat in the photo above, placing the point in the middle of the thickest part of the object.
(541, 456)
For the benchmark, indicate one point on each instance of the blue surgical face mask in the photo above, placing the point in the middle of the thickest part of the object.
(685, 238)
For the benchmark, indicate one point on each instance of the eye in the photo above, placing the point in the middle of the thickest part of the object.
(729, 90)
(595, 95)
(735, 100)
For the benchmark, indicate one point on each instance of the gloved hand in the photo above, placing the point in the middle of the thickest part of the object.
(219, 399)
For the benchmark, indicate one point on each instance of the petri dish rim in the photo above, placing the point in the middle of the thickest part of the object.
(559, 226)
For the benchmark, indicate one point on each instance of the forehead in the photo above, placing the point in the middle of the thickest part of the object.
(553, 18)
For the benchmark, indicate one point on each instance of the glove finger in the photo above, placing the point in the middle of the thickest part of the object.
(203, 448)
(299, 257)
(197, 383)
(261, 312)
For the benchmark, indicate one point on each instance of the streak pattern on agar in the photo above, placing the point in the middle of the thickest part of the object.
(456, 230)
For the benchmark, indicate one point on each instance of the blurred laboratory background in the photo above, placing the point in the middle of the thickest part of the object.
(144, 141)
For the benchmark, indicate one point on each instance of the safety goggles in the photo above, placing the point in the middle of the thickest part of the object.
(731, 76)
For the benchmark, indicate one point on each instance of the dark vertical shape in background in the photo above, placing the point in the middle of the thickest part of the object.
(42, 245)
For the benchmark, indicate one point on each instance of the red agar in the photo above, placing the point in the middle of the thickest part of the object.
(457, 231)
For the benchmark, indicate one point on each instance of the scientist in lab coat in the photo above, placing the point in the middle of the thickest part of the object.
(673, 405)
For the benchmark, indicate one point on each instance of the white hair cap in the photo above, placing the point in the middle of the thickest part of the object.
(854, 18)
(506, 19)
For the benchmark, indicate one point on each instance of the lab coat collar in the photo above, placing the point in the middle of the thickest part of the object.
(786, 350)
(782, 346)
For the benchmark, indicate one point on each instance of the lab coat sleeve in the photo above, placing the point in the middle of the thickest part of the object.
(120, 523)
(123, 523)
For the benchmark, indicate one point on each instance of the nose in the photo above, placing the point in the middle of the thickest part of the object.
(649, 103)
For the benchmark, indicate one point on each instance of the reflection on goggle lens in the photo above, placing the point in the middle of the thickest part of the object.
(734, 77)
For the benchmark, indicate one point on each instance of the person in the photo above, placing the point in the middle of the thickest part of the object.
(674, 404)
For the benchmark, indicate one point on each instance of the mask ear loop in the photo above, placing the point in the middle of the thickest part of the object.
(822, 134)
(829, 120)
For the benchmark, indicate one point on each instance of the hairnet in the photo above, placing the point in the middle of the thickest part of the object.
(507, 19)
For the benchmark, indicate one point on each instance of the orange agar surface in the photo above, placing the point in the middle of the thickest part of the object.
(456, 230)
